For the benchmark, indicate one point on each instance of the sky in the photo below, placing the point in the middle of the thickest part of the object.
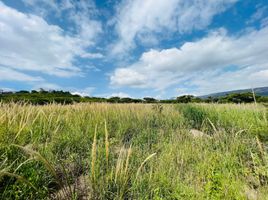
(133, 48)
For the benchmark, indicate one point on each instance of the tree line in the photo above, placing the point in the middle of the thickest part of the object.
(42, 97)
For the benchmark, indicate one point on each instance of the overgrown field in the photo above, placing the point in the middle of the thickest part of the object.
(133, 151)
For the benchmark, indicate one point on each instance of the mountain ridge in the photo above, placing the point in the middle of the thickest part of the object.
(262, 91)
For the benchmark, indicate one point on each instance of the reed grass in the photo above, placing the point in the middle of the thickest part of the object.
(106, 143)
(93, 154)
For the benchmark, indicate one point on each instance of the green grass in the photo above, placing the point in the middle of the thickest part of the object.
(250, 119)
(133, 151)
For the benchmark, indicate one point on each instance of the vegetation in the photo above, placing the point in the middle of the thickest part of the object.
(133, 151)
(43, 97)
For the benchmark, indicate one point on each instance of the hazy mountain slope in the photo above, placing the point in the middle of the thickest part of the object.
(262, 91)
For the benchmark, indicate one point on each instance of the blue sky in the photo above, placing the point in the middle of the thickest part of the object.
(134, 48)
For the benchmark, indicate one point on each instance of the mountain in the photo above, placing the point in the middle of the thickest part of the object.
(262, 91)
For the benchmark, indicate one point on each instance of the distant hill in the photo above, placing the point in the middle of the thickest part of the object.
(262, 91)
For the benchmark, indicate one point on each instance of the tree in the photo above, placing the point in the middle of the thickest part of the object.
(149, 100)
(240, 97)
(113, 100)
(22, 92)
(185, 99)
(126, 100)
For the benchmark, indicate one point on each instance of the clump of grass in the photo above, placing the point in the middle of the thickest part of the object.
(106, 143)
(227, 117)
(93, 154)
(143, 163)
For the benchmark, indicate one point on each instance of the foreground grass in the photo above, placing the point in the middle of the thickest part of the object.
(133, 151)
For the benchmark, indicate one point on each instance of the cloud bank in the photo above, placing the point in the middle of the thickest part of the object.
(215, 61)
(141, 20)
(30, 44)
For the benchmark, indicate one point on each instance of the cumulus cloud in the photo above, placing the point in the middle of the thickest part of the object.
(82, 92)
(215, 61)
(137, 19)
(80, 13)
(29, 43)
(7, 74)
(92, 55)
(118, 94)
(214, 81)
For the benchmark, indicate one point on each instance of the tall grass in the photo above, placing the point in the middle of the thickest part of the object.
(252, 119)
(133, 151)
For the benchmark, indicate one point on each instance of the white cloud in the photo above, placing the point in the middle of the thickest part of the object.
(128, 77)
(12, 75)
(5, 89)
(92, 55)
(41, 10)
(264, 22)
(114, 94)
(75, 91)
(80, 13)
(138, 18)
(46, 86)
(207, 83)
(119, 94)
(82, 92)
(29, 43)
(217, 61)
(261, 75)
(259, 14)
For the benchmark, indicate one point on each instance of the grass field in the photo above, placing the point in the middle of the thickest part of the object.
(133, 151)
